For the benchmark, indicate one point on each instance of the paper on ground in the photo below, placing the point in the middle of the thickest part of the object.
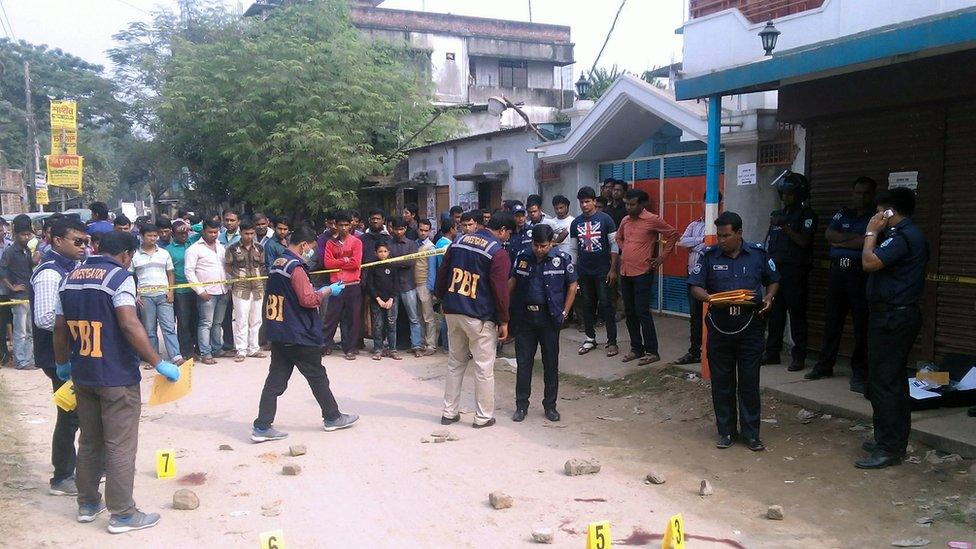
(917, 390)
(968, 382)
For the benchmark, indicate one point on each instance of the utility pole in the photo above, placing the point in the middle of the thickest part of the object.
(31, 142)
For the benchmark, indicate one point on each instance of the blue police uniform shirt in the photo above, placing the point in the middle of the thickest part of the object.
(904, 252)
(44, 339)
(543, 283)
(592, 234)
(752, 270)
(469, 290)
(100, 354)
(779, 245)
(848, 221)
(288, 322)
(520, 240)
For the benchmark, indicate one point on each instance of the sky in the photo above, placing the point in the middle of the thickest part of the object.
(643, 38)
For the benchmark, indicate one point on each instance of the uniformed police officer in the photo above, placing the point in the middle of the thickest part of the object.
(790, 244)
(521, 240)
(98, 341)
(846, 286)
(543, 288)
(295, 332)
(895, 286)
(472, 284)
(735, 332)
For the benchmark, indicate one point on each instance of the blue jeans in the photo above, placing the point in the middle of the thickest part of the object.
(384, 327)
(157, 312)
(210, 331)
(409, 300)
(23, 336)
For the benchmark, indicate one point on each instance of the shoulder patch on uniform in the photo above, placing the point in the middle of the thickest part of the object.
(570, 268)
(838, 215)
(280, 261)
(522, 264)
(556, 261)
(696, 269)
(808, 223)
(772, 264)
(886, 242)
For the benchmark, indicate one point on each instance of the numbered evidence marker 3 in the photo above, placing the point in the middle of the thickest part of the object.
(274, 539)
(165, 463)
(674, 534)
(598, 535)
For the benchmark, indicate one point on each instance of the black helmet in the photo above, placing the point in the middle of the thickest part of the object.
(794, 183)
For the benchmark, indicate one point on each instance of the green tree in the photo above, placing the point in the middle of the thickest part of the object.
(293, 112)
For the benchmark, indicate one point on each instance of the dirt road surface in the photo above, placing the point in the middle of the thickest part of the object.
(377, 485)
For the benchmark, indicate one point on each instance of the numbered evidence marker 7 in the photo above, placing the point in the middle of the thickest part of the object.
(165, 463)
(674, 534)
(274, 539)
(598, 535)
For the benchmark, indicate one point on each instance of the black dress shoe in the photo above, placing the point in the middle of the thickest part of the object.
(519, 415)
(770, 359)
(869, 446)
(755, 445)
(796, 366)
(818, 374)
(878, 460)
(688, 359)
(552, 415)
(488, 423)
(723, 441)
(450, 420)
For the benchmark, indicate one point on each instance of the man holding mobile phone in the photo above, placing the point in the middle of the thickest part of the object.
(895, 285)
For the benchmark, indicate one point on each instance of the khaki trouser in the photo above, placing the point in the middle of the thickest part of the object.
(428, 322)
(109, 421)
(478, 338)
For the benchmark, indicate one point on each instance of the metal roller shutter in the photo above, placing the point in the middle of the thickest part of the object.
(871, 144)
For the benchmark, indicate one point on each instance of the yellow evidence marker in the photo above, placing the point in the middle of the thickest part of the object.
(598, 535)
(274, 539)
(674, 534)
(64, 397)
(165, 463)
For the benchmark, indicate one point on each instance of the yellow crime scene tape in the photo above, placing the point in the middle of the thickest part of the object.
(153, 289)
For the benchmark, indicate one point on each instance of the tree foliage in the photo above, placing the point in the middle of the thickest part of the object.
(602, 78)
(293, 112)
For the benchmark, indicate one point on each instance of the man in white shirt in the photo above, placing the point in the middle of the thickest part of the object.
(153, 268)
(205, 263)
(694, 240)
(561, 224)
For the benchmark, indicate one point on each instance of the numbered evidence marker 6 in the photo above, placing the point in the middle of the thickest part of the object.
(274, 539)
(598, 535)
(165, 463)
(674, 535)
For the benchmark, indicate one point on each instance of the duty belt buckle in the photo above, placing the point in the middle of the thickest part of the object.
(845, 262)
(533, 308)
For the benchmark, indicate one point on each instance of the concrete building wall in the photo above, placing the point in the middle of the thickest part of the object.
(541, 75)
(740, 41)
(449, 67)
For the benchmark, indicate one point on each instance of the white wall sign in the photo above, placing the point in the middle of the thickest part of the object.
(746, 174)
(903, 179)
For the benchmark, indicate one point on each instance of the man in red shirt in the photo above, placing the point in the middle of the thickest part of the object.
(344, 252)
(637, 237)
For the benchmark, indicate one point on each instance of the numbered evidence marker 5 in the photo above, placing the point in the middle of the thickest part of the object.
(674, 535)
(274, 539)
(165, 463)
(598, 535)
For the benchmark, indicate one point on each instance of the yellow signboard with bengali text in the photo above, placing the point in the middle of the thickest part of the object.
(64, 141)
(64, 114)
(65, 171)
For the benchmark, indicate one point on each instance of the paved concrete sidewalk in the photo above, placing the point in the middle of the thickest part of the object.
(946, 429)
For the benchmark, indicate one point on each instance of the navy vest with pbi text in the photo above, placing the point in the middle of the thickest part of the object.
(287, 321)
(100, 354)
(469, 291)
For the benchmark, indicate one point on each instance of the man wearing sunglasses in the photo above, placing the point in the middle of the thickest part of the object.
(68, 240)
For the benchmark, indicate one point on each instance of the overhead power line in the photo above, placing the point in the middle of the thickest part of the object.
(607, 39)
(8, 29)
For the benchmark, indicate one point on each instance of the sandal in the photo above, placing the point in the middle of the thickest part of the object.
(395, 355)
(377, 356)
(649, 359)
(350, 356)
(612, 350)
(630, 357)
(587, 346)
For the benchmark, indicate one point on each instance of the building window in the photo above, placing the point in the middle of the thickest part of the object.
(779, 150)
(450, 56)
(513, 74)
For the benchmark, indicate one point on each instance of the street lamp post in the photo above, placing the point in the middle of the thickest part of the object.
(498, 104)
(769, 35)
(582, 87)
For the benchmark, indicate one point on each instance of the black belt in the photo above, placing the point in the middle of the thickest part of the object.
(884, 307)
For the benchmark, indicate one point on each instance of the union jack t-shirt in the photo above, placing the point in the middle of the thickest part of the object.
(592, 234)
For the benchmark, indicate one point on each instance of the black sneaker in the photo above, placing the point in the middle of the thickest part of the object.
(818, 374)
(796, 366)
(518, 416)
(688, 359)
(723, 441)
(552, 415)
(755, 445)
(488, 423)
(450, 420)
